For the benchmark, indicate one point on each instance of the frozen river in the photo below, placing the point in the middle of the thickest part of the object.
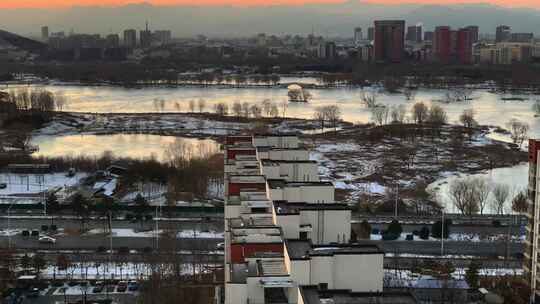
(490, 108)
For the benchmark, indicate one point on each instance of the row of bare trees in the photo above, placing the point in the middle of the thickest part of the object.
(38, 104)
(211, 78)
(474, 194)
(330, 114)
(420, 113)
(266, 108)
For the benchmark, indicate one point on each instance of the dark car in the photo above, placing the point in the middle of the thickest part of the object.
(3, 185)
(133, 286)
(33, 293)
(98, 288)
(122, 286)
(35, 233)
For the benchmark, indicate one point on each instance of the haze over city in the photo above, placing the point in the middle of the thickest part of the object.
(269, 152)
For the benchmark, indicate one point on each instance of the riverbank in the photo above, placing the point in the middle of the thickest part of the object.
(369, 164)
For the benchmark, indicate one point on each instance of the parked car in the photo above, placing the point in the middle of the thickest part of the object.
(122, 286)
(3, 185)
(33, 293)
(35, 233)
(47, 239)
(220, 246)
(133, 286)
(25, 233)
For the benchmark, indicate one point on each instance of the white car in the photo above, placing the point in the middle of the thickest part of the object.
(220, 246)
(47, 239)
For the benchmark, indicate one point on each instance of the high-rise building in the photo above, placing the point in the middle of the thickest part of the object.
(145, 37)
(464, 46)
(503, 33)
(370, 33)
(130, 38)
(327, 50)
(533, 221)
(358, 37)
(428, 36)
(163, 36)
(389, 40)
(442, 44)
(414, 33)
(112, 41)
(521, 37)
(45, 33)
(475, 32)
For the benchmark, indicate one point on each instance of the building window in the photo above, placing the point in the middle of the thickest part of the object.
(303, 235)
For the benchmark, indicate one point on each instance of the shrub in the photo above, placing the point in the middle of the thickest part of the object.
(424, 233)
(436, 229)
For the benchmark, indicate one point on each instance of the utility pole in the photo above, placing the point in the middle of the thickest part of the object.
(396, 203)
(442, 233)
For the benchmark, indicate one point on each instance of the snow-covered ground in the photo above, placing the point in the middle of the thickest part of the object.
(119, 270)
(468, 237)
(337, 164)
(33, 184)
(407, 278)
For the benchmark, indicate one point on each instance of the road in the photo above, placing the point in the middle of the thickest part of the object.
(94, 242)
(212, 224)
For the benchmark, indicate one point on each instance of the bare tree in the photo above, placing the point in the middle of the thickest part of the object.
(370, 100)
(267, 106)
(246, 109)
(398, 114)
(481, 190)
(518, 131)
(519, 202)
(437, 115)
(192, 105)
(201, 104)
(462, 196)
(333, 115)
(237, 109)
(501, 192)
(284, 107)
(274, 111)
(467, 118)
(419, 112)
(221, 109)
(255, 111)
(380, 115)
(319, 116)
(409, 93)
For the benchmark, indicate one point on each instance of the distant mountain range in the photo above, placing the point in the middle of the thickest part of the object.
(323, 19)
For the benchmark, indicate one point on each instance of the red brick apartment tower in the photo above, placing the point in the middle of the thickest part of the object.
(533, 220)
(389, 40)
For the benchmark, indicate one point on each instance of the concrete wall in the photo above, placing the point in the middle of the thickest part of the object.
(290, 224)
(255, 291)
(359, 273)
(299, 172)
(328, 226)
(287, 155)
(235, 293)
(321, 270)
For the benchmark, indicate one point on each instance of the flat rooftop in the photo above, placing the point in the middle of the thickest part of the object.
(252, 222)
(247, 179)
(269, 162)
(268, 148)
(288, 208)
(313, 295)
(303, 249)
(281, 183)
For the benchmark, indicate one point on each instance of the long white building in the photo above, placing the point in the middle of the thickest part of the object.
(285, 235)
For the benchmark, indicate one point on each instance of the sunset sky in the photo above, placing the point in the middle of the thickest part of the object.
(68, 3)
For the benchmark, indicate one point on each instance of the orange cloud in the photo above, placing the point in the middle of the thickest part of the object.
(68, 3)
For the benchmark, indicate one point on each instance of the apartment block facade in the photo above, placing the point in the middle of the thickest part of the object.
(283, 228)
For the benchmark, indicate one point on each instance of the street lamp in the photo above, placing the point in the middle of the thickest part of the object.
(9, 225)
